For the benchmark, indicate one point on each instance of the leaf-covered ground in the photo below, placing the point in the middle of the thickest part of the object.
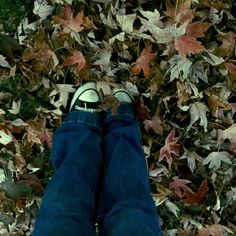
(177, 57)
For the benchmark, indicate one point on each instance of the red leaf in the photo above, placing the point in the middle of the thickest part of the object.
(155, 124)
(179, 186)
(67, 20)
(170, 147)
(186, 44)
(76, 58)
(199, 197)
(142, 112)
(197, 29)
(142, 63)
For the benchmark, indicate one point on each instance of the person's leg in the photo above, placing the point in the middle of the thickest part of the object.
(68, 204)
(126, 207)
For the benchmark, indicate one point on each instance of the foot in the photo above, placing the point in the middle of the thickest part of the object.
(123, 95)
(86, 98)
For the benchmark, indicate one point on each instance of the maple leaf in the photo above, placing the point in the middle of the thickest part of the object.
(155, 124)
(197, 29)
(171, 147)
(191, 157)
(198, 111)
(215, 103)
(76, 58)
(186, 44)
(179, 12)
(214, 159)
(196, 198)
(142, 63)
(179, 186)
(67, 20)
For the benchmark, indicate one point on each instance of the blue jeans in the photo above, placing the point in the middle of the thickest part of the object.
(100, 176)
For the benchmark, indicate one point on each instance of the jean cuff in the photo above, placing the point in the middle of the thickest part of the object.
(91, 119)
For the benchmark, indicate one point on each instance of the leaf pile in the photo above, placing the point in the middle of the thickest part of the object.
(177, 57)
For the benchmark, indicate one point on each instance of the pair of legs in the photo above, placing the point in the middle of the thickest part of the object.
(100, 176)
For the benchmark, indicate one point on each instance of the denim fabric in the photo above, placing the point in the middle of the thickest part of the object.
(100, 175)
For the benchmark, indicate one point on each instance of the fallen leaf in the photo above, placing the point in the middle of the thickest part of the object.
(142, 112)
(155, 124)
(15, 107)
(67, 20)
(167, 34)
(180, 12)
(5, 137)
(42, 9)
(180, 186)
(212, 230)
(216, 103)
(77, 59)
(226, 49)
(198, 111)
(179, 68)
(172, 207)
(186, 45)
(229, 134)
(37, 133)
(196, 198)
(213, 60)
(231, 75)
(126, 22)
(143, 63)
(197, 29)
(191, 157)
(153, 17)
(215, 159)
(171, 147)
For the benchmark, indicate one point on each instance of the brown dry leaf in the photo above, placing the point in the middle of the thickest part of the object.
(231, 76)
(183, 93)
(180, 186)
(67, 20)
(171, 147)
(215, 103)
(180, 12)
(142, 63)
(186, 45)
(155, 124)
(212, 230)
(226, 49)
(77, 59)
(41, 56)
(38, 133)
(110, 102)
(196, 198)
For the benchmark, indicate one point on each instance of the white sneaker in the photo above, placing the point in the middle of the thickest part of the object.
(123, 95)
(86, 98)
